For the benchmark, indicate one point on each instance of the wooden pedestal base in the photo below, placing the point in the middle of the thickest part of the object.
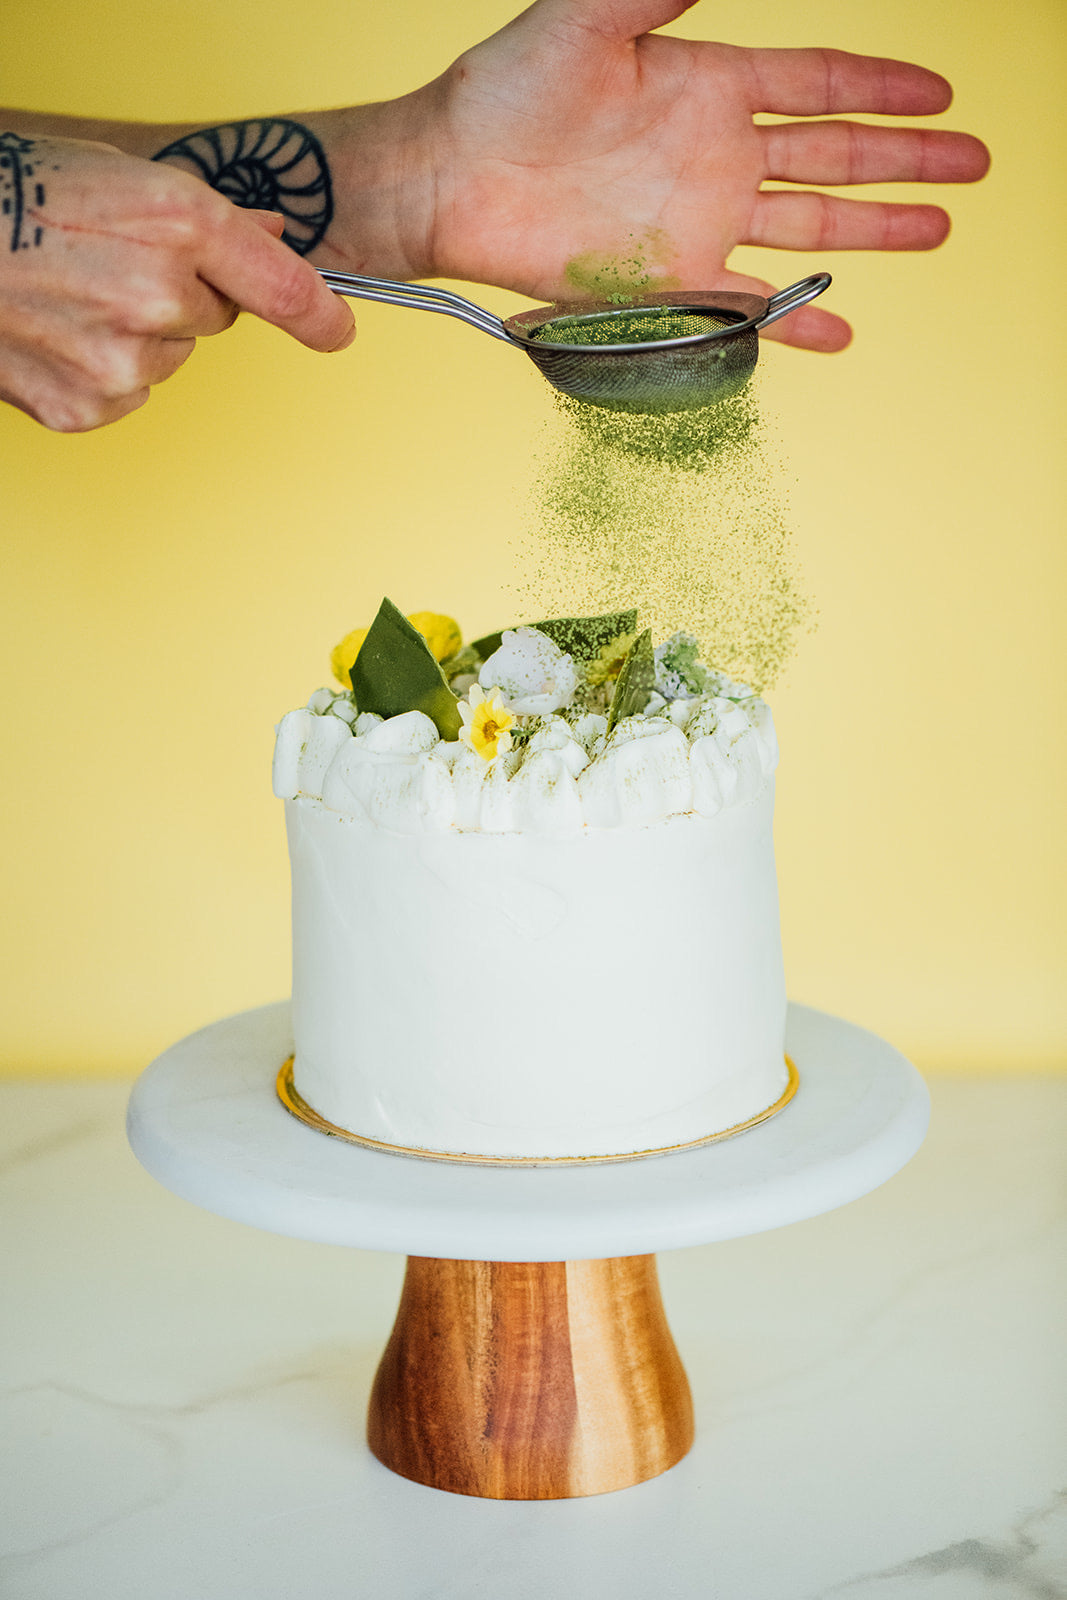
(522, 1380)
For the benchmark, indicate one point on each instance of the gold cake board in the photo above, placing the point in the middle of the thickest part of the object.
(295, 1103)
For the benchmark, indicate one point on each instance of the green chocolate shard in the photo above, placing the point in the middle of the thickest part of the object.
(636, 681)
(486, 647)
(583, 638)
(395, 672)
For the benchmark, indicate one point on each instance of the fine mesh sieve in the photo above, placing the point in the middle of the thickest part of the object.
(676, 350)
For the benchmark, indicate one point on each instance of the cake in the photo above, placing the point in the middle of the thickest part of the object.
(535, 912)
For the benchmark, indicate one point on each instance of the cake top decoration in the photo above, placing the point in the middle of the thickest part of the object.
(552, 727)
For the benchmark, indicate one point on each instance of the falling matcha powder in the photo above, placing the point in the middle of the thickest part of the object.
(677, 512)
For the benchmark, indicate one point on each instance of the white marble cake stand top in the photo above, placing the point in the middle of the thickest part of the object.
(205, 1121)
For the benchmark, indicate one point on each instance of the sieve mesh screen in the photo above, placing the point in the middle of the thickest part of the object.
(641, 326)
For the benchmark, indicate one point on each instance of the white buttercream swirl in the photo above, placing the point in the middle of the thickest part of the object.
(700, 754)
(389, 776)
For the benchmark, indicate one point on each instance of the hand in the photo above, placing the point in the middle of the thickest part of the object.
(111, 267)
(574, 139)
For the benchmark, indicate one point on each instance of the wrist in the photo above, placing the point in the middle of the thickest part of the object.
(383, 187)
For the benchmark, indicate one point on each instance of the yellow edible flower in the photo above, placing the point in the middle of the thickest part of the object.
(608, 663)
(441, 634)
(343, 655)
(486, 723)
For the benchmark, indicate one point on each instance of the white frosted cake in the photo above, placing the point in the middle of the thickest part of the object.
(536, 919)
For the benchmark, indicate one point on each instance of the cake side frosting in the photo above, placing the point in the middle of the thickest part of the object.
(498, 993)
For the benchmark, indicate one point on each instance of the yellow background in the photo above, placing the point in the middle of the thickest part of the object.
(174, 583)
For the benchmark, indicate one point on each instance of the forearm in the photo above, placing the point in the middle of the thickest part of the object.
(354, 184)
(135, 138)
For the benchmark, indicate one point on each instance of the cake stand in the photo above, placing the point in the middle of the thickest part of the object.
(531, 1358)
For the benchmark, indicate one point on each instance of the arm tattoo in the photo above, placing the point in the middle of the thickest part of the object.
(270, 164)
(21, 192)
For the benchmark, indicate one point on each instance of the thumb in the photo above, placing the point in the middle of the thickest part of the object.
(622, 19)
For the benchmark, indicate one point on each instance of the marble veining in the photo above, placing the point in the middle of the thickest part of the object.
(853, 1349)
(51, 1144)
(1019, 1565)
(58, 1441)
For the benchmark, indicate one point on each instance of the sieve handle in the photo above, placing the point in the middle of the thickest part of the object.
(798, 294)
(420, 296)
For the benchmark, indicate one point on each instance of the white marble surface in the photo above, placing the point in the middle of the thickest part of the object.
(880, 1394)
(206, 1121)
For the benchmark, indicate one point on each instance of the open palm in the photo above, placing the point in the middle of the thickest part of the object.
(575, 137)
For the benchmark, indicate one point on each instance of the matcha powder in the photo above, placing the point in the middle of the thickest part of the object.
(677, 513)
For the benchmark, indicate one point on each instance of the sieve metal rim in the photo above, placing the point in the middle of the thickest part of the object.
(749, 308)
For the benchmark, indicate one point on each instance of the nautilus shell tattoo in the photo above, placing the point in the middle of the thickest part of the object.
(270, 164)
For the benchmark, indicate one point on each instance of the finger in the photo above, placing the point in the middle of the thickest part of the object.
(851, 152)
(270, 221)
(788, 220)
(811, 328)
(214, 317)
(98, 413)
(808, 328)
(113, 368)
(809, 83)
(163, 361)
(263, 276)
(191, 310)
(66, 410)
(115, 384)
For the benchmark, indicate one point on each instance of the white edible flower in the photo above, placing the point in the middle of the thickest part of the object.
(534, 674)
(680, 674)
